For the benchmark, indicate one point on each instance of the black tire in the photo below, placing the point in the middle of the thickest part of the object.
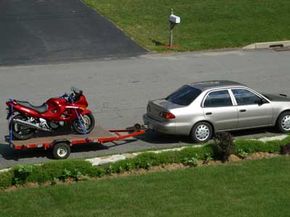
(283, 122)
(20, 132)
(61, 150)
(89, 126)
(205, 134)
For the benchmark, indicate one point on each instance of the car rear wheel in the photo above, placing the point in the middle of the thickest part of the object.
(201, 132)
(283, 122)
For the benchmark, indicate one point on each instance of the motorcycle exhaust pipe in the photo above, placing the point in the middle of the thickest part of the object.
(25, 123)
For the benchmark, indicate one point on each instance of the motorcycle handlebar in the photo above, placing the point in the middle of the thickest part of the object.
(73, 96)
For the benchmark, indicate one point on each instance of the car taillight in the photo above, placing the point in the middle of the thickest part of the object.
(167, 115)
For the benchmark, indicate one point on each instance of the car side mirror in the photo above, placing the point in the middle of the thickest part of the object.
(261, 101)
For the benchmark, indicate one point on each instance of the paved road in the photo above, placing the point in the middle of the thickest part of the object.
(118, 90)
(42, 31)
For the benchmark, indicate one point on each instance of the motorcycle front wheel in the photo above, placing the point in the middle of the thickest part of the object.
(19, 131)
(84, 124)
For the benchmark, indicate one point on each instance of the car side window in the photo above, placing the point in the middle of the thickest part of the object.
(218, 99)
(245, 97)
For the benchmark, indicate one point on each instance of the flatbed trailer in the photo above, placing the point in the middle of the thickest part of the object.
(60, 145)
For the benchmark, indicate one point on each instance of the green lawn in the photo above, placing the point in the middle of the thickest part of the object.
(248, 188)
(205, 24)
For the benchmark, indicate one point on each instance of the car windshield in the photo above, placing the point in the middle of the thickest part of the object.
(184, 95)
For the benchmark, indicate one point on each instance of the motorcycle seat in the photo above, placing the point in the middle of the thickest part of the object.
(41, 109)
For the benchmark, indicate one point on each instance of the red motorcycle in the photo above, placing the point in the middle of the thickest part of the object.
(69, 109)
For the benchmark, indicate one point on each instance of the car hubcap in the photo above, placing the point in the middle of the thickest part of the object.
(202, 132)
(285, 123)
(61, 152)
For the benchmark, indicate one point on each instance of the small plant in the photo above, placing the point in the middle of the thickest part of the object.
(128, 166)
(21, 174)
(54, 181)
(285, 149)
(109, 170)
(241, 153)
(224, 145)
(192, 162)
(76, 175)
(119, 169)
(207, 158)
(65, 175)
(148, 165)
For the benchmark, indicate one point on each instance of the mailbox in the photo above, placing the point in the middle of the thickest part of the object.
(174, 19)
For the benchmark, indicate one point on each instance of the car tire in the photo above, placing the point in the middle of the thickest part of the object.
(201, 132)
(283, 122)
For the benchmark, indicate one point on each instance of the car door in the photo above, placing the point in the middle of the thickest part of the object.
(219, 110)
(253, 110)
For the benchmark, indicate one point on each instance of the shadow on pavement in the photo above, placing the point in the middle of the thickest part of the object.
(9, 153)
(149, 137)
(158, 138)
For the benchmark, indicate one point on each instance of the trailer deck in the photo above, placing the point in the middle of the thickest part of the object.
(61, 143)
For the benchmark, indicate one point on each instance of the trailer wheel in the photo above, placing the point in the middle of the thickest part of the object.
(61, 150)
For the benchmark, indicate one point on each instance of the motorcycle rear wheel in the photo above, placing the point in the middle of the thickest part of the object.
(20, 132)
(84, 128)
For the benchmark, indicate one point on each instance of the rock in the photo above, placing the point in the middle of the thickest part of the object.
(233, 158)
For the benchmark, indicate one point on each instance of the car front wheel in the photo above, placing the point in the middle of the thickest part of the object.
(283, 122)
(201, 132)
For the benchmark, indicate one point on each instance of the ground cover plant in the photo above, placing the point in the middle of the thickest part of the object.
(75, 170)
(205, 24)
(247, 188)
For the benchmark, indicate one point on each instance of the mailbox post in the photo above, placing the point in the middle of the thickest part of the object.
(173, 20)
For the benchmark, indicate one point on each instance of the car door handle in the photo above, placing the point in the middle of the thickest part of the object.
(243, 110)
(208, 113)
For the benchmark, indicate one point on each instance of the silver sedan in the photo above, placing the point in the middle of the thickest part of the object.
(203, 108)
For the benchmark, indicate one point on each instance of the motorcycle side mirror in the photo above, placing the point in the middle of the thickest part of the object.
(75, 90)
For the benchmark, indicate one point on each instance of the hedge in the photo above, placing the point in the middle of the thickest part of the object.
(76, 169)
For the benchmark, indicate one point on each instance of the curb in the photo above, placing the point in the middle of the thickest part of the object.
(114, 158)
(267, 45)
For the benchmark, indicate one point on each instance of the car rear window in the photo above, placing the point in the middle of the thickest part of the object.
(184, 95)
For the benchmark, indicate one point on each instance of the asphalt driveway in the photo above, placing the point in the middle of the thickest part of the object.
(42, 31)
(118, 91)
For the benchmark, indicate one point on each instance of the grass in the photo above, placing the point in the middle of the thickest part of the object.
(249, 188)
(205, 24)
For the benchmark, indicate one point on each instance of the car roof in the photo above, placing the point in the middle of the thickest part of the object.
(205, 85)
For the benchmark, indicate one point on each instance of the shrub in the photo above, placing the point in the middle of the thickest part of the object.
(76, 169)
(251, 146)
(223, 146)
(6, 179)
(21, 173)
(201, 153)
(59, 169)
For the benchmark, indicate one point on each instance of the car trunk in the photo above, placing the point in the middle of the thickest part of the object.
(161, 105)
